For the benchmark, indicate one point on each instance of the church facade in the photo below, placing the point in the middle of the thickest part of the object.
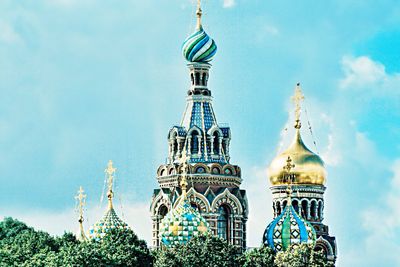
(198, 153)
(213, 181)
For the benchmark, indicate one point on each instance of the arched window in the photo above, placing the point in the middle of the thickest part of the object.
(278, 208)
(174, 144)
(197, 75)
(320, 210)
(204, 80)
(194, 143)
(304, 209)
(295, 205)
(313, 209)
(284, 205)
(223, 222)
(216, 143)
(162, 211)
(192, 78)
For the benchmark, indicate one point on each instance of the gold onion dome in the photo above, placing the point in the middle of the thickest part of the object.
(309, 167)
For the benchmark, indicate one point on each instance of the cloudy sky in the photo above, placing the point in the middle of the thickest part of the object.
(85, 81)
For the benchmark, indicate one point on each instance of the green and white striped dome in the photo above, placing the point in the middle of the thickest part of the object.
(288, 229)
(199, 47)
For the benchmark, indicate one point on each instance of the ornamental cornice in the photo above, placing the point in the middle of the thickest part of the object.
(221, 180)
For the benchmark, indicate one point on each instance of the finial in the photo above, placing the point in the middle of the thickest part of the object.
(288, 167)
(110, 180)
(297, 98)
(81, 198)
(199, 12)
(184, 183)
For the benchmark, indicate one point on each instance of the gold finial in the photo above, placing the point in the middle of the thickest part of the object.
(81, 198)
(288, 167)
(110, 180)
(199, 12)
(184, 183)
(297, 98)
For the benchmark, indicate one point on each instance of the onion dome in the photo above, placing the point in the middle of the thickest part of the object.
(199, 46)
(182, 222)
(309, 168)
(288, 229)
(110, 219)
(109, 222)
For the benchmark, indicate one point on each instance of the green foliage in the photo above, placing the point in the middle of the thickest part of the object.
(301, 256)
(204, 250)
(258, 257)
(21, 245)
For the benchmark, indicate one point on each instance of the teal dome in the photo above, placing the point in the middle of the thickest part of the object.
(199, 47)
(181, 224)
(287, 229)
(109, 221)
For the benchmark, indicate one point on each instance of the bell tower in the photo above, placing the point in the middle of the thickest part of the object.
(308, 185)
(213, 183)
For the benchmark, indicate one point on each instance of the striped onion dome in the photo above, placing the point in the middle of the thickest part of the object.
(199, 47)
(181, 224)
(109, 221)
(288, 229)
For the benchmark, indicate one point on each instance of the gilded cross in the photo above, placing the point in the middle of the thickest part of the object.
(297, 98)
(184, 159)
(110, 173)
(110, 180)
(199, 13)
(288, 167)
(81, 198)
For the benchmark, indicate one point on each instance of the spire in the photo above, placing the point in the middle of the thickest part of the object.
(199, 12)
(110, 171)
(289, 176)
(297, 98)
(184, 183)
(81, 198)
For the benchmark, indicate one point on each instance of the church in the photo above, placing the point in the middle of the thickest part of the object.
(200, 185)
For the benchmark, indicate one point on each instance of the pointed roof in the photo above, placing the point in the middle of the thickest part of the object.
(182, 222)
(110, 219)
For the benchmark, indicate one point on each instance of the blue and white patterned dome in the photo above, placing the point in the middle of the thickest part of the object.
(181, 224)
(287, 229)
(109, 221)
(199, 47)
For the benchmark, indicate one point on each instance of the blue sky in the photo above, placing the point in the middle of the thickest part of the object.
(86, 81)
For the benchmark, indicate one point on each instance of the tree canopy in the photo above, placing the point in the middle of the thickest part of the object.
(21, 245)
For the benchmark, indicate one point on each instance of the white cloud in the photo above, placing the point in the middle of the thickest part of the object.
(260, 204)
(382, 224)
(228, 3)
(8, 34)
(364, 73)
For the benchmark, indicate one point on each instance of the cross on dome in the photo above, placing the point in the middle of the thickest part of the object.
(199, 12)
(81, 198)
(297, 98)
(110, 171)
